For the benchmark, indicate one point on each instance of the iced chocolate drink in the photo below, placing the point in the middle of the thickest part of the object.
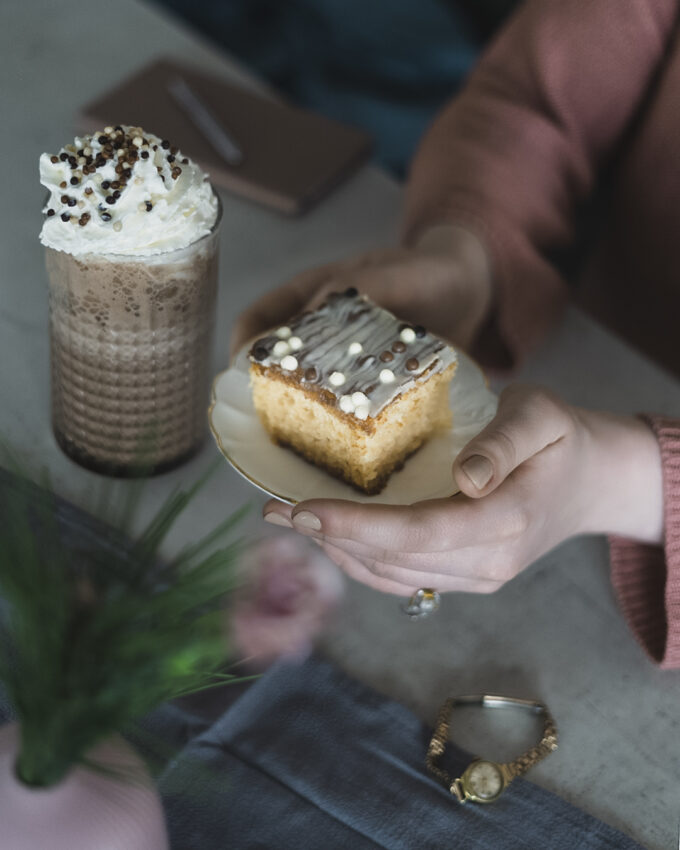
(131, 251)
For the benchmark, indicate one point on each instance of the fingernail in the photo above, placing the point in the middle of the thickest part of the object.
(307, 520)
(277, 519)
(478, 469)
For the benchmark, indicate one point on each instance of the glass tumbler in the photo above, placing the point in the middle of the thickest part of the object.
(130, 351)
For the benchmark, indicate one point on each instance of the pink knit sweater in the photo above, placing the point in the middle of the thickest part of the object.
(569, 91)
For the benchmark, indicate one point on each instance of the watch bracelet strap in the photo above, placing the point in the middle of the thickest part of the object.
(516, 767)
(545, 746)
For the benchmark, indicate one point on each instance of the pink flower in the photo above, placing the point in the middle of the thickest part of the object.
(290, 590)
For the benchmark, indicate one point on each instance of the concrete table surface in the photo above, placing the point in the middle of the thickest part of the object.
(554, 633)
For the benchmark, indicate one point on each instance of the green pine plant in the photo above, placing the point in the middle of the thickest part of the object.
(93, 638)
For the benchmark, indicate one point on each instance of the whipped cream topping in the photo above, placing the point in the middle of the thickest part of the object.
(124, 191)
(354, 354)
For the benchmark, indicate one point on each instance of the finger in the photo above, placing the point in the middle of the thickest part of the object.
(432, 563)
(407, 528)
(277, 513)
(487, 566)
(527, 421)
(390, 579)
(438, 525)
(359, 572)
(277, 306)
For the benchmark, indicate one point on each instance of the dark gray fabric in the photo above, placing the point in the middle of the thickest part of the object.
(309, 758)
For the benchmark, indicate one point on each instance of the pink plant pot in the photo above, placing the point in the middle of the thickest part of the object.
(87, 810)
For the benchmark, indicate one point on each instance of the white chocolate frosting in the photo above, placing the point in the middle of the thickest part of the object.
(353, 353)
(124, 191)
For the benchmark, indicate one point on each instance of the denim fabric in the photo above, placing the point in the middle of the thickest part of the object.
(309, 758)
(387, 67)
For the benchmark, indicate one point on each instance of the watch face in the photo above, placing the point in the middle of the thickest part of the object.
(484, 780)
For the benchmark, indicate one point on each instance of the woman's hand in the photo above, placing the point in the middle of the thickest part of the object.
(443, 283)
(539, 473)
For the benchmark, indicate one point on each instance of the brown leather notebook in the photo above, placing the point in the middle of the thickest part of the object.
(291, 157)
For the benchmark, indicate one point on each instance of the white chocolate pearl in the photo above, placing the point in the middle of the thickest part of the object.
(359, 398)
(361, 411)
(386, 376)
(337, 379)
(281, 348)
(295, 343)
(289, 363)
(283, 332)
(355, 348)
(407, 335)
(345, 404)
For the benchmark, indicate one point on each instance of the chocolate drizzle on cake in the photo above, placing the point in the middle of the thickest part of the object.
(351, 338)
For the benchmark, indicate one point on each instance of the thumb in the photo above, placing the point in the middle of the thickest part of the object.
(528, 420)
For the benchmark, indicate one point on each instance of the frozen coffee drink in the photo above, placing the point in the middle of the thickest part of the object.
(131, 242)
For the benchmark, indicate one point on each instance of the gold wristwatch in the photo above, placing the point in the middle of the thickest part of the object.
(484, 781)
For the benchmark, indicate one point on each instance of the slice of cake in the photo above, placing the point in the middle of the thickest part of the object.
(351, 388)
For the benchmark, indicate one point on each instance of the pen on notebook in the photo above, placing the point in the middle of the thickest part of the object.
(205, 121)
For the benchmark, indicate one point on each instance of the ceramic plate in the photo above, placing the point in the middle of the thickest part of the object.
(279, 472)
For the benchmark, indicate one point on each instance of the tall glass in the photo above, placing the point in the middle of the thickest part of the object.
(131, 342)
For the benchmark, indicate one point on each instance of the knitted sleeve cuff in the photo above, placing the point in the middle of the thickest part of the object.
(646, 578)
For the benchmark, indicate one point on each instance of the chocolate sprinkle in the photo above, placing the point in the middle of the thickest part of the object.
(64, 199)
(145, 154)
(50, 212)
(419, 331)
(149, 206)
(71, 202)
(387, 356)
(260, 352)
(110, 199)
(63, 157)
(106, 216)
(311, 374)
(105, 184)
(74, 181)
(399, 347)
(63, 185)
(54, 159)
(65, 217)
(83, 220)
(165, 144)
(412, 364)
(351, 292)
